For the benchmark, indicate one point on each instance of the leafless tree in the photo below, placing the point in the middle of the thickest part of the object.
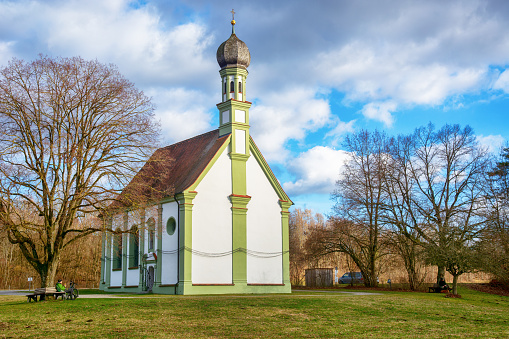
(435, 189)
(360, 194)
(494, 245)
(301, 225)
(73, 131)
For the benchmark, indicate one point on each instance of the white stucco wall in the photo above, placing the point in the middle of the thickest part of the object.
(169, 260)
(212, 225)
(264, 233)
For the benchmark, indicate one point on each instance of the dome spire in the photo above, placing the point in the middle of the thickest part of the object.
(233, 21)
(233, 52)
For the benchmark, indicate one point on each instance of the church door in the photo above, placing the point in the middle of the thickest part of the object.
(150, 278)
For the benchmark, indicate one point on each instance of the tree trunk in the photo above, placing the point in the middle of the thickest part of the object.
(47, 274)
(455, 284)
(441, 273)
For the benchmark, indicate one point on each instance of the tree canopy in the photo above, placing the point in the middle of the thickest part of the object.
(73, 133)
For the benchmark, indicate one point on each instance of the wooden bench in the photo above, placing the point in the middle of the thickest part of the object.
(437, 289)
(43, 292)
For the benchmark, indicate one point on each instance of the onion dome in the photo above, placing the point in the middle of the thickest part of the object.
(233, 52)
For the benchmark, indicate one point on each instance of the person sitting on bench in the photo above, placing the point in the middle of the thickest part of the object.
(60, 287)
(442, 284)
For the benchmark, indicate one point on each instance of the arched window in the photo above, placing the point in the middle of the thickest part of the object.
(151, 226)
(240, 86)
(232, 87)
(134, 246)
(117, 250)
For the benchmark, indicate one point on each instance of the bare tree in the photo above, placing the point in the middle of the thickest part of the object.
(436, 186)
(301, 225)
(73, 131)
(360, 194)
(494, 245)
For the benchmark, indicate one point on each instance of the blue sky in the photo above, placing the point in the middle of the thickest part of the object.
(319, 69)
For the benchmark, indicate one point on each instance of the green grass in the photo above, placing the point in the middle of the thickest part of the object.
(300, 315)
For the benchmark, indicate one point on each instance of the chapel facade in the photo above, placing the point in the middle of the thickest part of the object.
(205, 215)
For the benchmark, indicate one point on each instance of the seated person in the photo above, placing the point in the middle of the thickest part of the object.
(442, 284)
(60, 287)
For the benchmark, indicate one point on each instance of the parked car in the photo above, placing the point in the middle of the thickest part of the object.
(349, 276)
(355, 276)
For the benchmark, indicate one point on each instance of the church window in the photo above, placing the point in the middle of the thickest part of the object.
(117, 250)
(224, 87)
(232, 86)
(171, 226)
(151, 225)
(240, 86)
(134, 246)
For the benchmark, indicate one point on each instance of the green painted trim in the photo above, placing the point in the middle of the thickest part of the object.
(233, 71)
(103, 255)
(285, 205)
(109, 250)
(166, 200)
(185, 240)
(209, 165)
(268, 172)
(239, 238)
(159, 249)
(238, 289)
(239, 186)
(232, 105)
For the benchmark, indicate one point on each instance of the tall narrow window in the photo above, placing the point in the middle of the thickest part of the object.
(224, 88)
(134, 246)
(240, 86)
(232, 86)
(151, 226)
(117, 250)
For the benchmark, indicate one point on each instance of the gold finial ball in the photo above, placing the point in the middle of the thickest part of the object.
(233, 22)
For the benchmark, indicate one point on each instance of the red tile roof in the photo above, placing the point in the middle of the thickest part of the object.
(171, 170)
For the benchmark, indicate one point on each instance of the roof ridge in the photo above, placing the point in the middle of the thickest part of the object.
(196, 136)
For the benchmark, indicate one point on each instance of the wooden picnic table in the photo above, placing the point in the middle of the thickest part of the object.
(42, 293)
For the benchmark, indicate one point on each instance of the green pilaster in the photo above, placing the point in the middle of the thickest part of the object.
(239, 239)
(285, 205)
(103, 256)
(108, 256)
(159, 244)
(185, 201)
(125, 244)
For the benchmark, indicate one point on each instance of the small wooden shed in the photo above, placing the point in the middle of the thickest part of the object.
(319, 277)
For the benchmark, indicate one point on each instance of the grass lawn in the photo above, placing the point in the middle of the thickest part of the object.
(300, 315)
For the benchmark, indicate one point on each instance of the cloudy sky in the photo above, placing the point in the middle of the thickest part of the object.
(319, 69)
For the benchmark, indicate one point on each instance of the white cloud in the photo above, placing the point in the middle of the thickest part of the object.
(146, 47)
(6, 53)
(380, 111)
(286, 115)
(492, 142)
(395, 72)
(183, 113)
(502, 82)
(339, 129)
(316, 170)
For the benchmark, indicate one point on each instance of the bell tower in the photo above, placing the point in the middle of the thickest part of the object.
(233, 57)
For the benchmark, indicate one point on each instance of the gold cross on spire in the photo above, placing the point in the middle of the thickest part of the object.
(233, 21)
